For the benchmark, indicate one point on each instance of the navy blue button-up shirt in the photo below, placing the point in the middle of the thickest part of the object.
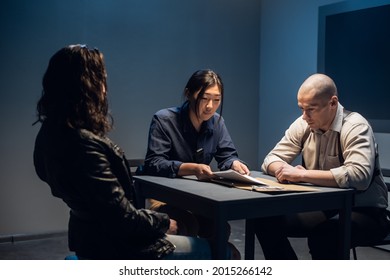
(173, 140)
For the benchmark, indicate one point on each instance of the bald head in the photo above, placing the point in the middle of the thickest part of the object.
(317, 98)
(320, 86)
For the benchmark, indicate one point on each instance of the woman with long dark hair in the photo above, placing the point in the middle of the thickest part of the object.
(90, 173)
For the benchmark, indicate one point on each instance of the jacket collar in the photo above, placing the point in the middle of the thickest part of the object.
(338, 119)
(206, 128)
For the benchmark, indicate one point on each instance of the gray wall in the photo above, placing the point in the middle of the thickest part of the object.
(288, 55)
(151, 48)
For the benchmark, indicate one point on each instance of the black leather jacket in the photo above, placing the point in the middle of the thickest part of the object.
(91, 175)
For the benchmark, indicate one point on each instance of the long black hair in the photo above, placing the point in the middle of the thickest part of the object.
(74, 90)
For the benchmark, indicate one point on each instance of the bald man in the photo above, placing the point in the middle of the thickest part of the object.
(338, 150)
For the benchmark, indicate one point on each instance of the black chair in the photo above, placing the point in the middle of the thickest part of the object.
(386, 240)
(135, 163)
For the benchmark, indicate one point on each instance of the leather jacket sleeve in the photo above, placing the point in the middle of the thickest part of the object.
(111, 192)
(91, 175)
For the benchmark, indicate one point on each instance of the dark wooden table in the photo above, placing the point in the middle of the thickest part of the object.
(223, 204)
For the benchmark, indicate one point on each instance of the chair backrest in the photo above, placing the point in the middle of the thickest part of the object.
(135, 163)
(386, 175)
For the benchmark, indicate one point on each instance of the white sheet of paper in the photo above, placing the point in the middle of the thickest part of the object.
(237, 177)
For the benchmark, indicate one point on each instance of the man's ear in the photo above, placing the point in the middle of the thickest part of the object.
(334, 101)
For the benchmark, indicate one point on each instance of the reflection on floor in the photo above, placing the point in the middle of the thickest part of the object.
(56, 247)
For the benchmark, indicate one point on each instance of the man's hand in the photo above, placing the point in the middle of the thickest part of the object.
(287, 173)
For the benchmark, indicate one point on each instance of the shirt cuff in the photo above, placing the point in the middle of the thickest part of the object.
(268, 160)
(175, 168)
(340, 174)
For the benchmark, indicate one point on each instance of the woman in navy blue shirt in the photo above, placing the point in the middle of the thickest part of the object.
(184, 140)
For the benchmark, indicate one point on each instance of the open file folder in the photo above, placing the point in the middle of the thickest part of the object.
(234, 179)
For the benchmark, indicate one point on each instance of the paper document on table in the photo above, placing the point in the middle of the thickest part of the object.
(272, 186)
(234, 179)
(231, 175)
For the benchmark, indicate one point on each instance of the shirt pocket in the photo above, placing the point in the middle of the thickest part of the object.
(331, 162)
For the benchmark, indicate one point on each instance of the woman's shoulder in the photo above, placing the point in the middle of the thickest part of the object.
(86, 135)
(168, 112)
(89, 136)
(168, 115)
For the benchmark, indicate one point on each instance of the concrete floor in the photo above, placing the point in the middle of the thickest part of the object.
(56, 247)
(300, 246)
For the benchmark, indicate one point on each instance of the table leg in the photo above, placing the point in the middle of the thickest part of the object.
(345, 229)
(139, 198)
(249, 240)
(219, 244)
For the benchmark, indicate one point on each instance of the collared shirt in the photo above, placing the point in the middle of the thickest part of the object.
(173, 140)
(348, 149)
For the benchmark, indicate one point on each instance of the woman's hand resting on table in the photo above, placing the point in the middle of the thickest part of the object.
(201, 171)
(240, 167)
